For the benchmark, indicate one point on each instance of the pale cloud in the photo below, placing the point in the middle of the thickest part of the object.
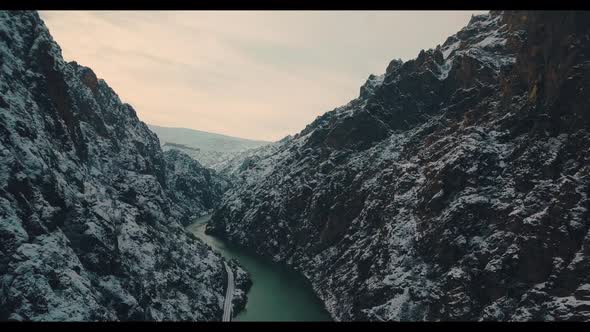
(260, 75)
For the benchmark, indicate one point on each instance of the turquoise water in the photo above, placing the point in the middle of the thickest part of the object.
(278, 293)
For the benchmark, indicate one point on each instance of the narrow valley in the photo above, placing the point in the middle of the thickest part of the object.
(278, 293)
(455, 186)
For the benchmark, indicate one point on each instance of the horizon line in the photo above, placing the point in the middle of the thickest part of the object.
(214, 133)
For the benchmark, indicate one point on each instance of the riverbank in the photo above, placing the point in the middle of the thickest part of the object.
(277, 293)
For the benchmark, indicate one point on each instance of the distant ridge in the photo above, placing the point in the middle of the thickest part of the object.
(210, 149)
(180, 146)
(204, 140)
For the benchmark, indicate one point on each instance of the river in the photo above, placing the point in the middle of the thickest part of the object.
(278, 292)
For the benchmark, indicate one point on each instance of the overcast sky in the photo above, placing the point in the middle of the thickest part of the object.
(251, 74)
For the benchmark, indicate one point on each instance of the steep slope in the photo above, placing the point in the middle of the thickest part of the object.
(455, 187)
(194, 189)
(234, 169)
(89, 214)
(210, 149)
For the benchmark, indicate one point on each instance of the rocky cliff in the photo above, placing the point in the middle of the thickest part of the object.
(90, 207)
(455, 187)
(195, 190)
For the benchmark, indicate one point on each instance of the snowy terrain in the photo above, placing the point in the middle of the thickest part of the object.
(90, 206)
(210, 149)
(455, 187)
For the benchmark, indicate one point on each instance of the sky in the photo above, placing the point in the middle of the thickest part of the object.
(252, 74)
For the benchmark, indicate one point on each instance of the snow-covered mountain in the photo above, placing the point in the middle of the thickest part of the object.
(455, 187)
(210, 149)
(90, 206)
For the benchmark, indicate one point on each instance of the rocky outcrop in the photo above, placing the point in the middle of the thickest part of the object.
(89, 204)
(243, 284)
(194, 189)
(455, 187)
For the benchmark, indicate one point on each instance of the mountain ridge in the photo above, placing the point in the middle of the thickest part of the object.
(455, 187)
(210, 149)
(90, 206)
(207, 133)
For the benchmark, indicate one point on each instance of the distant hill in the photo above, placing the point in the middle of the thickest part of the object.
(180, 146)
(210, 149)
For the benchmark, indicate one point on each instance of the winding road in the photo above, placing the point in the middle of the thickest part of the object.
(229, 294)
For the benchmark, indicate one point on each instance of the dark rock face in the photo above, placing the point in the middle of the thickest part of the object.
(454, 188)
(195, 189)
(243, 284)
(89, 204)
